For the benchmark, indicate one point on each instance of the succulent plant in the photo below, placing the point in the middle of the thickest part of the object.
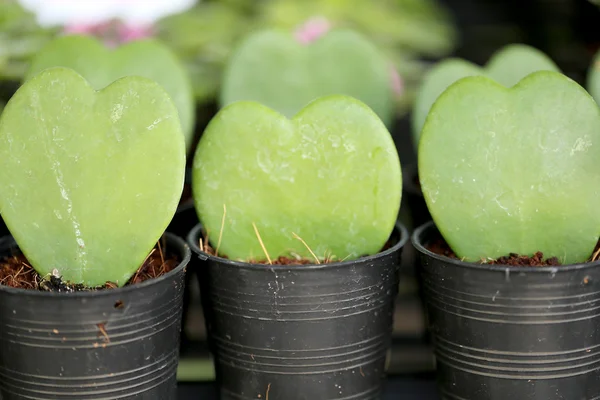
(514, 170)
(101, 66)
(285, 72)
(507, 66)
(90, 179)
(325, 184)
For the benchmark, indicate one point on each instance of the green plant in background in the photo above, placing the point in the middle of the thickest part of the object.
(203, 38)
(421, 26)
(330, 176)
(514, 170)
(90, 179)
(101, 66)
(404, 30)
(277, 70)
(593, 78)
(20, 38)
(506, 66)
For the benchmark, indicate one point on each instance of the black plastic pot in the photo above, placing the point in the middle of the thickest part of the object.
(512, 332)
(414, 196)
(110, 344)
(300, 332)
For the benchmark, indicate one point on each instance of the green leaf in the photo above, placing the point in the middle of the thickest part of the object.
(513, 62)
(89, 179)
(514, 170)
(101, 66)
(331, 175)
(507, 66)
(274, 69)
(434, 83)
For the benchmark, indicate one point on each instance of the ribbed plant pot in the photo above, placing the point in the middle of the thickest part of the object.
(110, 344)
(300, 332)
(414, 196)
(503, 332)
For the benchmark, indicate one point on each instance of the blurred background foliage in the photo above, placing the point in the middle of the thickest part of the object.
(20, 38)
(410, 32)
(413, 34)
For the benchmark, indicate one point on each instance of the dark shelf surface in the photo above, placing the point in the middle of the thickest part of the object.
(404, 388)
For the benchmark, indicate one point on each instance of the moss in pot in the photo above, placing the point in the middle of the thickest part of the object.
(510, 178)
(506, 66)
(301, 253)
(91, 179)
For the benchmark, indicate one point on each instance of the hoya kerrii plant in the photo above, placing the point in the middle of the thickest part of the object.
(406, 31)
(324, 185)
(101, 65)
(506, 66)
(90, 178)
(514, 170)
(285, 70)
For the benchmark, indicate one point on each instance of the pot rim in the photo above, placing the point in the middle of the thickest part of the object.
(171, 238)
(192, 239)
(416, 242)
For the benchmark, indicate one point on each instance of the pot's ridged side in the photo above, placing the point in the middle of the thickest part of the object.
(517, 332)
(300, 332)
(112, 344)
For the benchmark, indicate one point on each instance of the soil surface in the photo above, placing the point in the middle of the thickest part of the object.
(439, 246)
(16, 272)
(208, 249)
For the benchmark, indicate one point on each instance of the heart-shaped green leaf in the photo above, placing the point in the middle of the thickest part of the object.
(593, 78)
(514, 170)
(101, 66)
(507, 66)
(89, 180)
(330, 175)
(274, 69)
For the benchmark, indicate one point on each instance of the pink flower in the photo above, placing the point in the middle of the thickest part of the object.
(312, 29)
(112, 32)
(134, 32)
(78, 29)
(396, 81)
